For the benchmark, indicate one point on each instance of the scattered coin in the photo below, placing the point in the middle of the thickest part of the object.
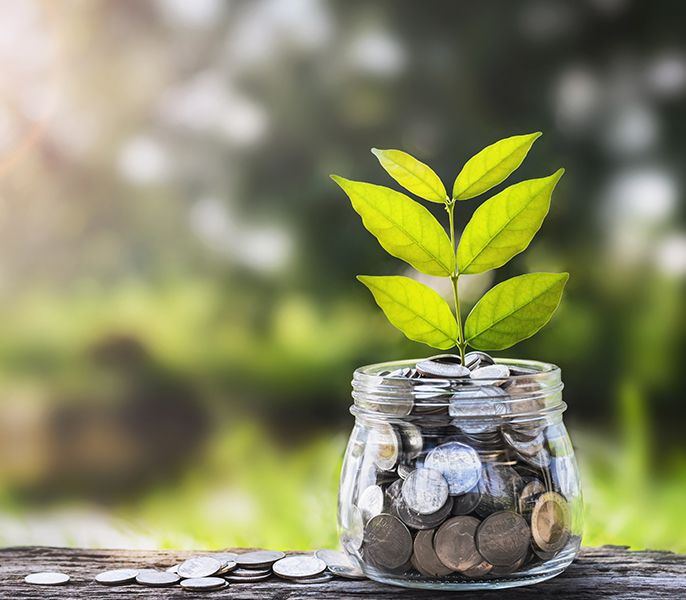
(458, 463)
(323, 578)
(454, 543)
(340, 564)
(117, 576)
(444, 365)
(250, 572)
(245, 579)
(371, 502)
(425, 491)
(424, 557)
(387, 542)
(155, 578)
(172, 569)
(204, 584)
(550, 522)
(503, 538)
(198, 567)
(258, 558)
(47, 578)
(227, 567)
(299, 567)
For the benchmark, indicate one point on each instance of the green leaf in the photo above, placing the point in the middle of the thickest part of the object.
(403, 227)
(504, 225)
(417, 310)
(493, 165)
(412, 174)
(514, 310)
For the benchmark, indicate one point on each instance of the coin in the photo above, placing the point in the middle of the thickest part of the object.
(467, 502)
(405, 469)
(258, 558)
(206, 584)
(199, 566)
(498, 373)
(443, 365)
(499, 486)
(524, 444)
(479, 570)
(474, 360)
(251, 572)
(424, 557)
(371, 502)
(503, 538)
(411, 439)
(323, 578)
(528, 496)
(172, 569)
(458, 463)
(247, 579)
(117, 576)
(47, 578)
(385, 445)
(387, 542)
(454, 543)
(340, 564)
(227, 567)
(550, 522)
(416, 521)
(507, 569)
(425, 491)
(299, 567)
(155, 578)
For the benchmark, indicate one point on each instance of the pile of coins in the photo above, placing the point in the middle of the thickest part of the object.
(465, 486)
(216, 571)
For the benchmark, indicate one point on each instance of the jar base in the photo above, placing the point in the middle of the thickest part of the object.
(537, 574)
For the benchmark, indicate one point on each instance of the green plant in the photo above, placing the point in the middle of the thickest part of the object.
(502, 227)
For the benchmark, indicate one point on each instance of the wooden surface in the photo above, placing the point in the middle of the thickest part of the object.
(607, 572)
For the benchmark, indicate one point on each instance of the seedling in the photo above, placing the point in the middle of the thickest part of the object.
(500, 228)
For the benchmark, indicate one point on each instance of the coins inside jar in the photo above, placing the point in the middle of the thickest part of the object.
(465, 487)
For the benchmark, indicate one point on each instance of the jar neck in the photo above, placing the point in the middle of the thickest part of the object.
(532, 391)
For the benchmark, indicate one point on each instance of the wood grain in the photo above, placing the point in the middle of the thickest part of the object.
(607, 572)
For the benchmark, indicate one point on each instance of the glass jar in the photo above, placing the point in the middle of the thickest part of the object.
(459, 483)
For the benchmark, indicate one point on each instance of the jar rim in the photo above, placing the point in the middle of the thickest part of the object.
(532, 391)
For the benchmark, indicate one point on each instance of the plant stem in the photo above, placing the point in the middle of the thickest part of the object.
(450, 207)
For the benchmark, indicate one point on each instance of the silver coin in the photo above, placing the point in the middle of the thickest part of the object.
(411, 439)
(227, 567)
(299, 567)
(155, 578)
(258, 558)
(47, 578)
(474, 360)
(458, 463)
(371, 502)
(498, 373)
(323, 578)
(207, 584)
(172, 569)
(500, 486)
(250, 572)
(199, 566)
(475, 407)
(384, 444)
(425, 491)
(117, 576)
(247, 579)
(404, 470)
(444, 365)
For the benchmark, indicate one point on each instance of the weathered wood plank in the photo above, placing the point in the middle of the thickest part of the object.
(607, 572)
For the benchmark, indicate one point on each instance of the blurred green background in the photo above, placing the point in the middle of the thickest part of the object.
(179, 317)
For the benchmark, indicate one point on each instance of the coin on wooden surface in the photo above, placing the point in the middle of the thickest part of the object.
(424, 558)
(299, 566)
(458, 463)
(47, 578)
(204, 584)
(425, 491)
(199, 566)
(503, 538)
(340, 564)
(550, 522)
(454, 543)
(155, 578)
(247, 579)
(387, 541)
(240, 572)
(117, 576)
(258, 558)
(318, 579)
